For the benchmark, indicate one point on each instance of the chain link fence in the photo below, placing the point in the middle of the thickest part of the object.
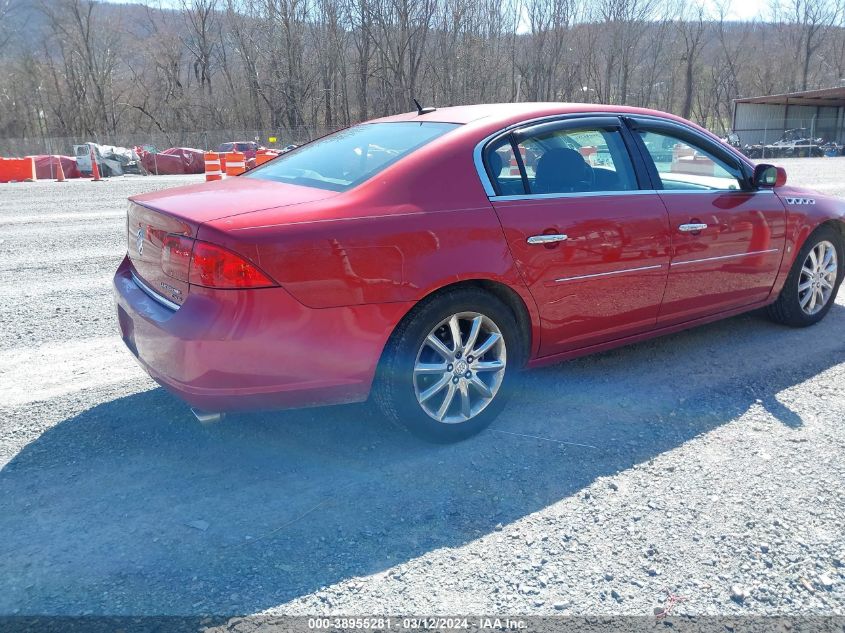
(773, 132)
(203, 140)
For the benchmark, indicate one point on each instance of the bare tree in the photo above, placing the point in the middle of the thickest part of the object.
(805, 22)
(693, 36)
(301, 67)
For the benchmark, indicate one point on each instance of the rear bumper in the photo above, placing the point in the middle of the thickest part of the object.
(226, 350)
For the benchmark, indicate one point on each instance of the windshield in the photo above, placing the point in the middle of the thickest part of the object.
(347, 158)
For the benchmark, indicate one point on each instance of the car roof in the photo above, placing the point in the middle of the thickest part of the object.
(488, 118)
(505, 112)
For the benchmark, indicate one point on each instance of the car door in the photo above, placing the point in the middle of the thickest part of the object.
(727, 237)
(591, 244)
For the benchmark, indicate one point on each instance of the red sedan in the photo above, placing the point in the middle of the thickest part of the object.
(425, 258)
(248, 148)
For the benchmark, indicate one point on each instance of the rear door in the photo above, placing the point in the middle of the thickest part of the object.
(727, 238)
(591, 244)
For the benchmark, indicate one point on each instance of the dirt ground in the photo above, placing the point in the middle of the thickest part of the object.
(707, 465)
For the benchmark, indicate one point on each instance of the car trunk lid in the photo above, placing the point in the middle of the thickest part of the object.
(234, 196)
(152, 217)
(146, 231)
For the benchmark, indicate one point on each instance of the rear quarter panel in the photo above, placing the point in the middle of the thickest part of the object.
(421, 224)
(395, 257)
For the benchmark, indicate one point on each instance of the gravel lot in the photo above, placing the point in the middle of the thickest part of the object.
(706, 466)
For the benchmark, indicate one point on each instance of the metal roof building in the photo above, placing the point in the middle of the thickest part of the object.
(763, 120)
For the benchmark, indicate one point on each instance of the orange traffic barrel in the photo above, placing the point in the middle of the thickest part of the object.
(212, 166)
(235, 163)
(264, 155)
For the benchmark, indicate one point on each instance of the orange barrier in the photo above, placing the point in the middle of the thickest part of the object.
(514, 166)
(685, 160)
(212, 167)
(588, 151)
(235, 163)
(264, 155)
(17, 169)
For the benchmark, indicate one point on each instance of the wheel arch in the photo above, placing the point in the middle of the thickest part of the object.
(801, 227)
(520, 303)
(838, 224)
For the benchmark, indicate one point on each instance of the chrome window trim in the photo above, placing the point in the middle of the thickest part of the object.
(477, 154)
(712, 191)
(152, 294)
(583, 194)
(611, 272)
(713, 259)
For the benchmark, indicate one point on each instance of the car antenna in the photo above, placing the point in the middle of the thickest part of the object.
(422, 110)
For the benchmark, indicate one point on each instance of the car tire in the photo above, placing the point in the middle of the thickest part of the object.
(793, 305)
(415, 378)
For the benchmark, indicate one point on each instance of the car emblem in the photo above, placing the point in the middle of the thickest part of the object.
(800, 201)
(139, 241)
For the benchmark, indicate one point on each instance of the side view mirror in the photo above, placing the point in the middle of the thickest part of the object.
(769, 176)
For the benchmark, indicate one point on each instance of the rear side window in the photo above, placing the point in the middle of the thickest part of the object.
(503, 168)
(347, 158)
(563, 160)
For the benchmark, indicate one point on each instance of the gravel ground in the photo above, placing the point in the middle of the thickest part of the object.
(701, 472)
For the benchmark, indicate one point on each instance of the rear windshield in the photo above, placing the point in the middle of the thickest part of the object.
(347, 158)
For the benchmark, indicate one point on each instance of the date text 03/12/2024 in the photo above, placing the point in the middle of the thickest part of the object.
(416, 623)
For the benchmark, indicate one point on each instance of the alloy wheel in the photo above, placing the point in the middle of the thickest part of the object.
(460, 367)
(817, 278)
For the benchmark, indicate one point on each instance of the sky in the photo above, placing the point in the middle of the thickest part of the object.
(741, 9)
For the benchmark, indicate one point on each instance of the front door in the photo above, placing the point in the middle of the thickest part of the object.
(727, 239)
(592, 246)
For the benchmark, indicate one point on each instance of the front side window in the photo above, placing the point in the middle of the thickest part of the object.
(347, 158)
(684, 166)
(572, 160)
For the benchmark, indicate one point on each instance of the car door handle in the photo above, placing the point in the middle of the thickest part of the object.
(547, 239)
(692, 228)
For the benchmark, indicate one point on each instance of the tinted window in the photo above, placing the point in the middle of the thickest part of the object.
(503, 168)
(576, 160)
(682, 165)
(347, 158)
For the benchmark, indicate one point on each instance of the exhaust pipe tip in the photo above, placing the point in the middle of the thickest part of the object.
(207, 417)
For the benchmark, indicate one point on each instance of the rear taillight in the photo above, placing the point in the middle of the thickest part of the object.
(205, 264)
(216, 267)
